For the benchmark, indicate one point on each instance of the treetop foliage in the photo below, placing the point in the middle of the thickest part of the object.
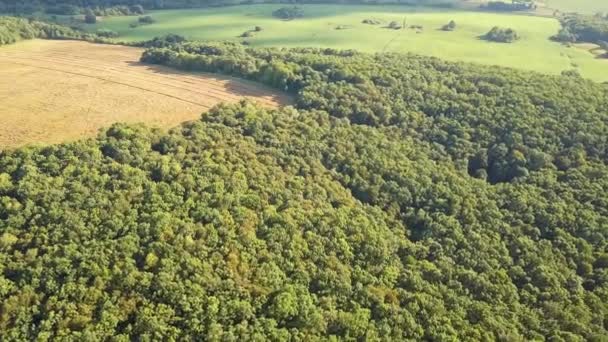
(15, 29)
(591, 29)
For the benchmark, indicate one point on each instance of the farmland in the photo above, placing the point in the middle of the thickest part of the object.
(67, 90)
(318, 28)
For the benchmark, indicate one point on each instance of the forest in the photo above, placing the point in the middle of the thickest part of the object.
(126, 7)
(401, 198)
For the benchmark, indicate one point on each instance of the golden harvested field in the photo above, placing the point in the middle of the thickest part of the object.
(56, 91)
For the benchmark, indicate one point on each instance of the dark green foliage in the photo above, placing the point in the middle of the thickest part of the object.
(591, 29)
(15, 29)
(118, 10)
(451, 26)
(64, 9)
(501, 35)
(146, 20)
(372, 21)
(565, 35)
(164, 41)
(467, 110)
(90, 17)
(106, 33)
(292, 224)
(510, 6)
(394, 25)
(288, 13)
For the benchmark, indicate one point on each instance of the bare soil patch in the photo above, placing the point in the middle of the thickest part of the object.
(57, 91)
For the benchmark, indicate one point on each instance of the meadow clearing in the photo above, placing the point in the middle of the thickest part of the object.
(340, 26)
(580, 6)
(68, 89)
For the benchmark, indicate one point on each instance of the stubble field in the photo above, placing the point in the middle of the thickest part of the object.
(57, 91)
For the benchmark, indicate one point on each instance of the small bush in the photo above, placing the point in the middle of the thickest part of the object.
(247, 34)
(146, 20)
(343, 27)
(371, 21)
(394, 25)
(501, 35)
(288, 13)
(257, 29)
(451, 26)
(134, 25)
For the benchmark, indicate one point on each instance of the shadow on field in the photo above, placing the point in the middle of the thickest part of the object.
(221, 84)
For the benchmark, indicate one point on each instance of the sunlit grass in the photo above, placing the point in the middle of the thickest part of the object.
(535, 51)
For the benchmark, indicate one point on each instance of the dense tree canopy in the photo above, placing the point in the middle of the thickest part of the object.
(592, 29)
(16, 29)
(403, 198)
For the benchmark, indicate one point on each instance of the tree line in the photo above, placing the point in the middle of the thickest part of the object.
(15, 29)
(125, 7)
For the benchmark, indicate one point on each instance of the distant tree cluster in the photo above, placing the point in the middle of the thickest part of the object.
(510, 6)
(146, 20)
(16, 29)
(591, 29)
(501, 35)
(288, 13)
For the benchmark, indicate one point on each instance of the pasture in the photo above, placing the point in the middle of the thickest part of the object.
(340, 26)
(580, 6)
(56, 91)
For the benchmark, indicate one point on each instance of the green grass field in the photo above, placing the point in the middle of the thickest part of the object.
(533, 52)
(580, 6)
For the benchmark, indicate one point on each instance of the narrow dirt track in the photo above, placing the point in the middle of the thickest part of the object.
(55, 91)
